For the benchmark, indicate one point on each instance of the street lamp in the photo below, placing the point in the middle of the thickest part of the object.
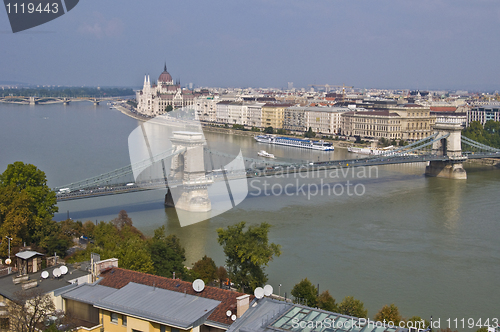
(279, 292)
(8, 261)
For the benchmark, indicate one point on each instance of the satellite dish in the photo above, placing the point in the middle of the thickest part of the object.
(56, 272)
(258, 292)
(198, 285)
(228, 313)
(45, 275)
(233, 317)
(268, 290)
(64, 270)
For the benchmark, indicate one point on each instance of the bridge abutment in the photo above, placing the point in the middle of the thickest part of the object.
(446, 169)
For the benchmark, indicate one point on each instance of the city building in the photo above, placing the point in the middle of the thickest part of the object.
(205, 108)
(483, 112)
(322, 120)
(273, 115)
(406, 121)
(155, 99)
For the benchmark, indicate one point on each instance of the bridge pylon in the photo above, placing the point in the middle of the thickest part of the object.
(189, 167)
(451, 147)
(33, 101)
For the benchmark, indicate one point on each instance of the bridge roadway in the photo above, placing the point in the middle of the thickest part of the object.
(266, 169)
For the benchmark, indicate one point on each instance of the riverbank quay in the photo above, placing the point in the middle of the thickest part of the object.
(221, 130)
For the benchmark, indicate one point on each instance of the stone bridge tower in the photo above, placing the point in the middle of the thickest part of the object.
(188, 169)
(450, 147)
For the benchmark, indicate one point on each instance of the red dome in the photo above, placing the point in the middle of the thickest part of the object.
(165, 76)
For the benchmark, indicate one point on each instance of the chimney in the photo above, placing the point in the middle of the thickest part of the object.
(242, 304)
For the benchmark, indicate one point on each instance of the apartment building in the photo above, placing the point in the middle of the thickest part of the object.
(273, 115)
(323, 120)
(484, 112)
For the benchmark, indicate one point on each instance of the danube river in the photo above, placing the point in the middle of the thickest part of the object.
(431, 246)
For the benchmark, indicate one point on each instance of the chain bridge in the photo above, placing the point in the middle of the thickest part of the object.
(192, 169)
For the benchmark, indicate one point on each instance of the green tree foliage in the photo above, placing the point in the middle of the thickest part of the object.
(161, 254)
(281, 131)
(309, 133)
(134, 255)
(167, 254)
(402, 142)
(305, 293)
(327, 302)
(269, 130)
(247, 253)
(27, 205)
(352, 307)
(206, 269)
(389, 313)
(489, 135)
(169, 108)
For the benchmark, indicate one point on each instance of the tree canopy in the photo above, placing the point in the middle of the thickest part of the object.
(167, 254)
(327, 302)
(247, 253)
(205, 269)
(27, 206)
(389, 313)
(352, 307)
(305, 293)
(488, 135)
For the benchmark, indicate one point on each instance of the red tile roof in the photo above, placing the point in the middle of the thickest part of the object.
(118, 278)
(443, 108)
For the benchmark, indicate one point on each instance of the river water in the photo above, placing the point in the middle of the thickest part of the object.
(430, 246)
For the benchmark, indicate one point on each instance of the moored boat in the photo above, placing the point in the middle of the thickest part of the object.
(295, 142)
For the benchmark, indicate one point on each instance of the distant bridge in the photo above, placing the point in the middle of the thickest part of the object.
(31, 100)
(442, 150)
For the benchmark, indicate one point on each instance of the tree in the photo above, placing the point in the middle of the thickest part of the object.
(309, 133)
(169, 108)
(352, 307)
(402, 142)
(221, 275)
(133, 255)
(206, 269)
(269, 130)
(247, 253)
(327, 302)
(305, 292)
(30, 182)
(29, 309)
(389, 313)
(167, 254)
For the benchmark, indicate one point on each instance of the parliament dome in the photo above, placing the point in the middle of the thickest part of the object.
(165, 76)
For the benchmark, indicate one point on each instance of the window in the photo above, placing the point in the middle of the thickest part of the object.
(124, 320)
(162, 328)
(114, 318)
(173, 329)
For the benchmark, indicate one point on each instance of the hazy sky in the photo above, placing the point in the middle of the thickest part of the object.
(421, 44)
